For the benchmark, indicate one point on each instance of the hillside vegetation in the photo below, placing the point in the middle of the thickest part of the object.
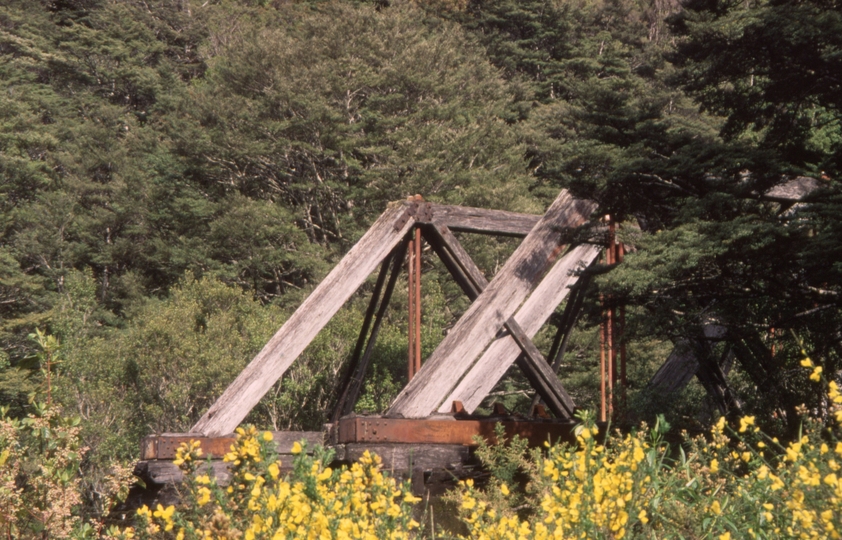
(177, 175)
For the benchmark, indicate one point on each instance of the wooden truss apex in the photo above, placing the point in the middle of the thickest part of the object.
(494, 307)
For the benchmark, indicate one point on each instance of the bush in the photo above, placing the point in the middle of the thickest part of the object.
(736, 483)
(43, 490)
(312, 501)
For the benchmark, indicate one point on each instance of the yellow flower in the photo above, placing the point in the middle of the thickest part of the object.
(267, 436)
(325, 474)
(166, 515)
(714, 465)
(715, 508)
(504, 489)
(204, 496)
(817, 374)
(725, 536)
(296, 448)
(746, 421)
(642, 517)
(807, 363)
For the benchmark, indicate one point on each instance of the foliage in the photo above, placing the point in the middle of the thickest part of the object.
(770, 68)
(39, 456)
(311, 501)
(737, 483)
(42, 493)
(247, 144)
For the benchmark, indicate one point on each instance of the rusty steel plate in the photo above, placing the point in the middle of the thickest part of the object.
(433, 431)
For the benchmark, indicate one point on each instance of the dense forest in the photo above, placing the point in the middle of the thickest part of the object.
(176, 175)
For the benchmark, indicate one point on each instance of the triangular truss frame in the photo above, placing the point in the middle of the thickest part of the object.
(495, 332)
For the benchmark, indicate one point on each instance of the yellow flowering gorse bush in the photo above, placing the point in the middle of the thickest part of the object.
(312, 501)
(584, 491)
(735, 483)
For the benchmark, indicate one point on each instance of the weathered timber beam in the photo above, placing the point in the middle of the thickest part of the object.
(375, 429)
(531, 361)
(540, 373)
(502, 352)
(300, 329)
(164, 446)
(682, 363)
(692, 357)
(453, 250)
(480, 220)
(792, 190)
(479, 325)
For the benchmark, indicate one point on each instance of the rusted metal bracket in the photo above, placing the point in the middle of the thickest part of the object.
(418, 209)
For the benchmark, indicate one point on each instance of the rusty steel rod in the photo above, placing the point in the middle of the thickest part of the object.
(417, 325)
(610, 330)
(410, 280)
(621, 336)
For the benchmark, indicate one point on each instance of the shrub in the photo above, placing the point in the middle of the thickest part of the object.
(312, 501)
(736, 483)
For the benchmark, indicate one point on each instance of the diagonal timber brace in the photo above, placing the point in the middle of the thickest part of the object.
(300, 329)
(533, 363)
(478, 327)
(504, 350)
(536, 253)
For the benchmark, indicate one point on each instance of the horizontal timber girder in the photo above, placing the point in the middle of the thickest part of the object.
(479, 220)
(166, 445)
(479, 325)
(376, 429)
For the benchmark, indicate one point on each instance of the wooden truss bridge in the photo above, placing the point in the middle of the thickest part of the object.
(429, 427)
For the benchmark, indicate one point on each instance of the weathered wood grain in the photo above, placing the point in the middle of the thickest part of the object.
(682, 363)
(165, 445)
(479, 325)
(503, 351)
(404, 458)
(792, 190)
(300, 329)
(480, 220)
(166, 472)
(531, 361)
